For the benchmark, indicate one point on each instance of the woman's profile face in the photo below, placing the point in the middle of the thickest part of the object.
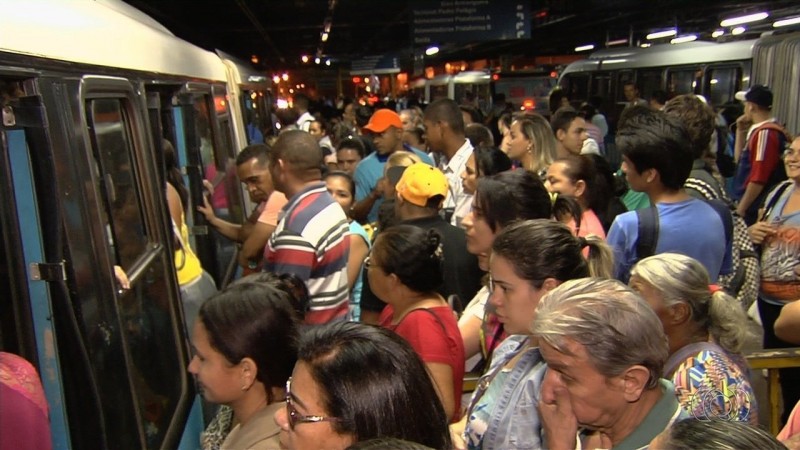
(305, 400)
(518, 143)
(376, 275)
(469, 178)
(557, 180)
(218, 379)
(478, 232)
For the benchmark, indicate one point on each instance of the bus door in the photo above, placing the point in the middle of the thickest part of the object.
(207, 159)
(31, 273)
(132, 342)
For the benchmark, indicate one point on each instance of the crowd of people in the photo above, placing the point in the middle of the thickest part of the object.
(600, 309)
(393, 251)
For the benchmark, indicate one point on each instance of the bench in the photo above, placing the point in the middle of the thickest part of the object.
(772, 360)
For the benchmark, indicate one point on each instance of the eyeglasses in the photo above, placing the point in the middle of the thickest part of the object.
(791, 153)
(295, 417)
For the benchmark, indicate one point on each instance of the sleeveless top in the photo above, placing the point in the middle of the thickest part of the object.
(187, 263)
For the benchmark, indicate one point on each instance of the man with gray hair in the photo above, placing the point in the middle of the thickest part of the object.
(605, 351)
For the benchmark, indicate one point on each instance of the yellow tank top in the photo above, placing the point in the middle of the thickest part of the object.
(186, 262)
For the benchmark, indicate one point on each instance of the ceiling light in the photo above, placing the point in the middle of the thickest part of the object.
(616, 42)
(738, 30)
(662, 34)
(682, 39)
(276, 79)
(327, 62)
(645, 45)
(317, 60)
(717, 33)
(787, 22)
(430, 51)
(304, 58)
(285, 76)
(324, 37)
(743, 19)
(614, 61)
(584, 48)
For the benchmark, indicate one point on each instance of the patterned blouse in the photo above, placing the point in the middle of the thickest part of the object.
(714, 385)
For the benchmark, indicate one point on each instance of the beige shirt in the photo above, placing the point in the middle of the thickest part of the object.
(259, 433)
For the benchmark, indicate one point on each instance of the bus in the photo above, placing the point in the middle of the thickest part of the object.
(88, 92)
(526, 90)
(468, 85)
(715, 70)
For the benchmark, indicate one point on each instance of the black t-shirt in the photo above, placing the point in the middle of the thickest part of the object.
(462, 275)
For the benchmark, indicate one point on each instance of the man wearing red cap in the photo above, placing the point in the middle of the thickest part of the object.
(387, 130)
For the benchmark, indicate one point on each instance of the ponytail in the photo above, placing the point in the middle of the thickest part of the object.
(727, 322)
(566, 207)
(601, 257)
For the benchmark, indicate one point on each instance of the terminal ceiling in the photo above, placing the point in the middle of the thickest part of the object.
(279, 32)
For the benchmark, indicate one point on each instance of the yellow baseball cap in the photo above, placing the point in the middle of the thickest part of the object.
(420, 183)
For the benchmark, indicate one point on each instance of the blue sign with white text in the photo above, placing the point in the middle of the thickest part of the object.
(445, 21)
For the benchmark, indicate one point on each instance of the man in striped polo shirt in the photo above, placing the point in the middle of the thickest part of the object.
(312, 237)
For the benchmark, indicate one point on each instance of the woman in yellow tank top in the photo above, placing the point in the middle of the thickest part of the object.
(196, 285)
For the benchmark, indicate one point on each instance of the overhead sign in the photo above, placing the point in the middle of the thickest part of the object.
(375, 64)
(445, 21)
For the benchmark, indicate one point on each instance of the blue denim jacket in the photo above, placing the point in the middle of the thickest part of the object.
(514, 419)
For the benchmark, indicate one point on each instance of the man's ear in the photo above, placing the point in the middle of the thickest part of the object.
(560, 135)
(650, 175)
(634, 381)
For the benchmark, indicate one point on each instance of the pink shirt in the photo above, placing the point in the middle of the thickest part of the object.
(272, 207)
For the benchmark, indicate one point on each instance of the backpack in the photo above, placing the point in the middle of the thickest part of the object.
(743, 281)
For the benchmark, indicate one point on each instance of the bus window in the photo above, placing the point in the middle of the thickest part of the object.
(255, 116)
(683, 81)
(577, 87)
(125, 223)
(152, 370)
(601, 85)
(649, 81)
(722, 84)
(439, 91)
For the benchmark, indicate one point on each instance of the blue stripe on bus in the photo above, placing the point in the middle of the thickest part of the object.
(39, 291)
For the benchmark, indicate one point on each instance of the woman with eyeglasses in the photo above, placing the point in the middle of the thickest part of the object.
(244, 344)
(356, 382)
(405, 270)
(776, 235)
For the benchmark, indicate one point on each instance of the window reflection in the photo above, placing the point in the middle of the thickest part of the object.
(149, 364)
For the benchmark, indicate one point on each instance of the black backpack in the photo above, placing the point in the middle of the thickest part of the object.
(743, 281)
